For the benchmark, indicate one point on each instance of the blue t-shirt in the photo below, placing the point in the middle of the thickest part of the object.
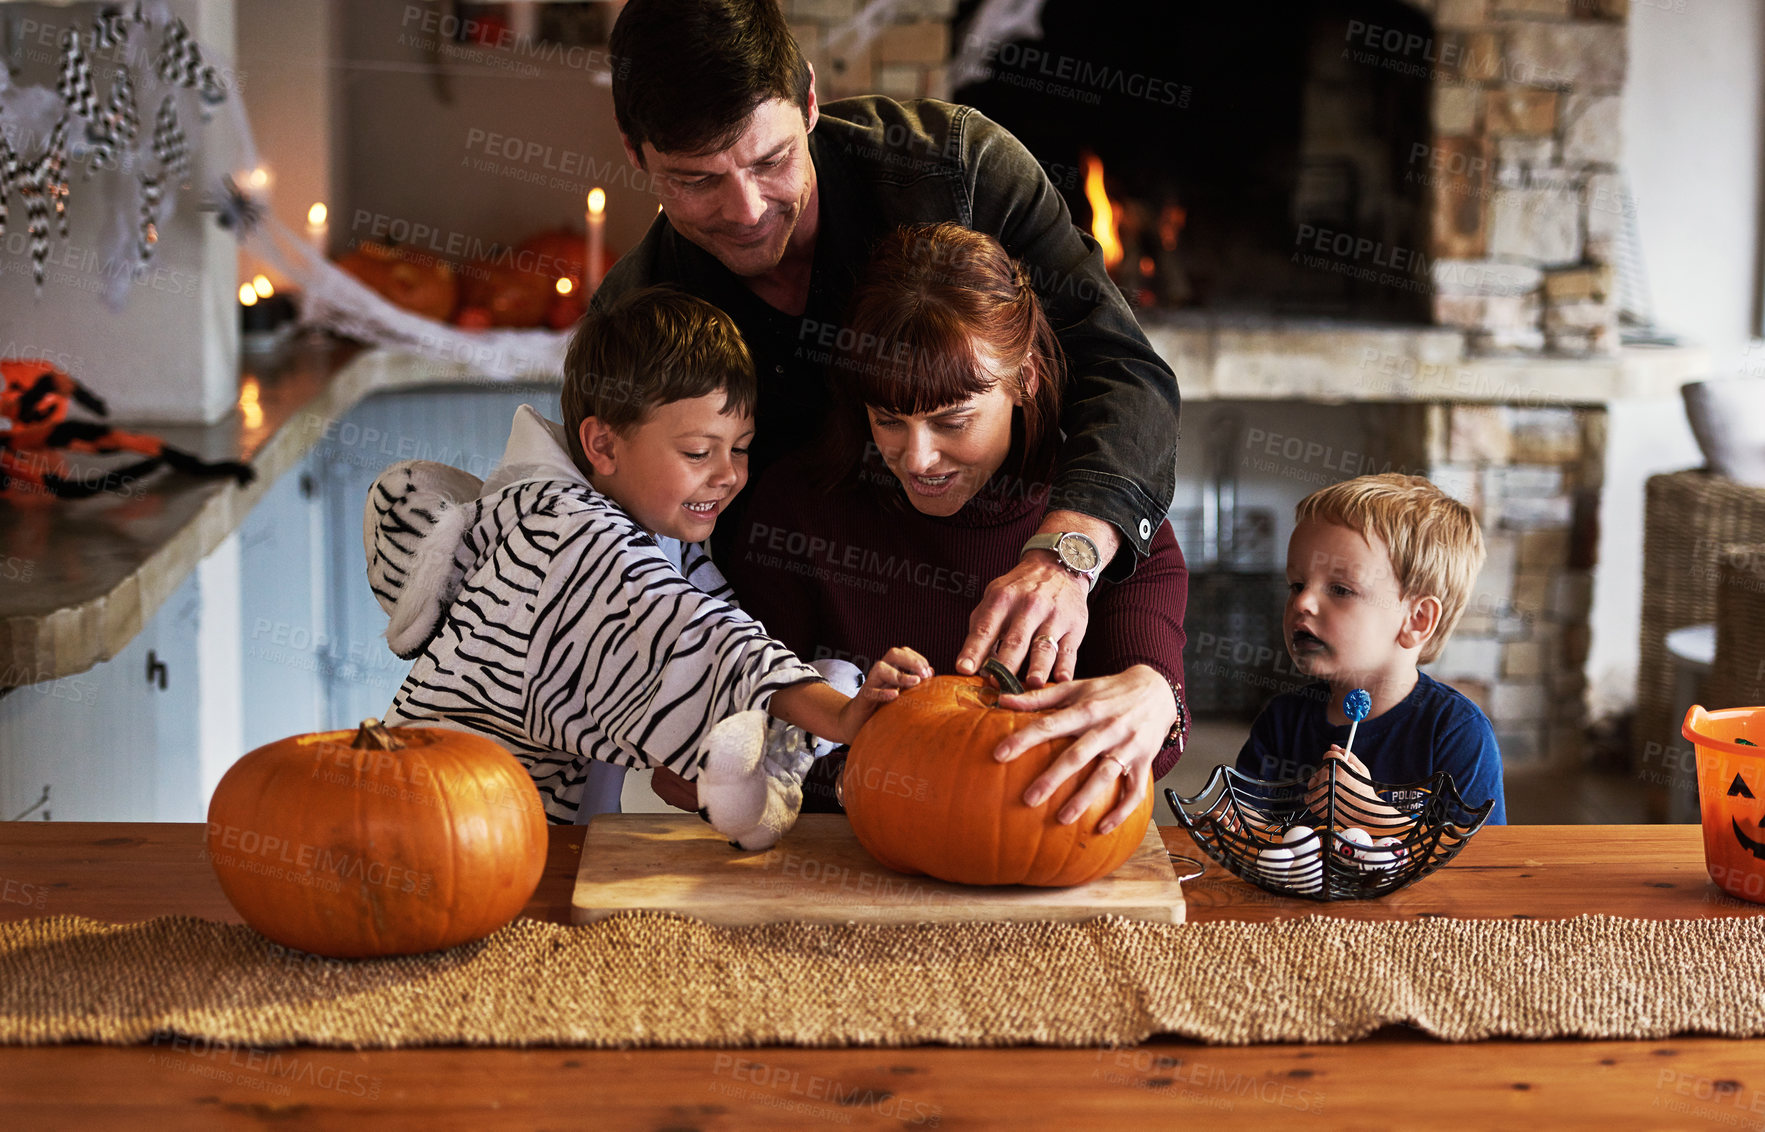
(1435, 727)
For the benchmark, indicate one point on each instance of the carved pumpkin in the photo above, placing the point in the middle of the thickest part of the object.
(416, 281)
(924, 795)
(403, 840)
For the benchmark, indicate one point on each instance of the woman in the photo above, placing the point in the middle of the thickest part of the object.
(935, 475)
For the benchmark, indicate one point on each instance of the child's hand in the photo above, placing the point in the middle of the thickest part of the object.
(1356, 802)
(899, 668)
(675, 790)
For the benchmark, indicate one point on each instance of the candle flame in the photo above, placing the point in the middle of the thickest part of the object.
(249, 406)
(1103, 211)
(316, 214)
(597, 201)
(261, 285)
(247, 295)
(565, 286)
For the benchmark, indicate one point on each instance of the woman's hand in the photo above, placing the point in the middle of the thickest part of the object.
(899, 668)
(1120, 721)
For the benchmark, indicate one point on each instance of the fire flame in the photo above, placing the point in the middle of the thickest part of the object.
(1103, 211)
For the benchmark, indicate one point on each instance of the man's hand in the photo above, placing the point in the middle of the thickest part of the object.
(1038, 611)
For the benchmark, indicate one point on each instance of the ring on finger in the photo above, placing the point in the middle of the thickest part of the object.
(1042, 640)
(1119, 765)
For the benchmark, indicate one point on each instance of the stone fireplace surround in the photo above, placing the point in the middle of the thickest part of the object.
(1503, 400)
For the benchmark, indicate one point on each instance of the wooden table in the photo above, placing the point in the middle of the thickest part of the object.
(1397, 1078)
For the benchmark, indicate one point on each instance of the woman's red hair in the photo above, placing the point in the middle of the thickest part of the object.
(933, 298)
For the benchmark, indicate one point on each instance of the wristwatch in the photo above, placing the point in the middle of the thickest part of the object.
(1075, 551)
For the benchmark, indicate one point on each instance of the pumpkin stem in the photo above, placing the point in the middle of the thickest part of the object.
(375, 736)
(1002, 676)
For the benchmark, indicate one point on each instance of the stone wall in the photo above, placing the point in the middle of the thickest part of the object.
(1528, 202)
(1532, 476)
(906, 58)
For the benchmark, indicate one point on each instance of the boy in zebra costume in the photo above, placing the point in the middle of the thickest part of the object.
(565, 607)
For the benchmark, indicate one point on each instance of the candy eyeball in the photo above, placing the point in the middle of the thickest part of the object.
(1297, 863)
(1357, 836)
(1352, 844)
(1385, 853)
(1274, 864)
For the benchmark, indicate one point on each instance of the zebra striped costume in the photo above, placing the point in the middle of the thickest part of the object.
(542, 616)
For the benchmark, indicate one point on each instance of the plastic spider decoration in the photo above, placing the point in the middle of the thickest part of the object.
(35, 432)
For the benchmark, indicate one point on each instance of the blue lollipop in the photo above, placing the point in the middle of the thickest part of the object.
(1357, 705)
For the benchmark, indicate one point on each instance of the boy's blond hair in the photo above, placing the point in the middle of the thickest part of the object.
(1435, 544)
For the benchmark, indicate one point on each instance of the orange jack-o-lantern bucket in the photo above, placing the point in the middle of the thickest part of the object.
(1731, 795)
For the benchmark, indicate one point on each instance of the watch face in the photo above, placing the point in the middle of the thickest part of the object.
(1078, 553)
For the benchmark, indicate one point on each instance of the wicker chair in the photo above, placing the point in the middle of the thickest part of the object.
(1738, 677)
(1690, 519)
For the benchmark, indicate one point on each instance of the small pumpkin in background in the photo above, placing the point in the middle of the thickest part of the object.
(519, 287)
(381, 841)
(925, 795)
(560, 254)
(498, 293)
(415, 281)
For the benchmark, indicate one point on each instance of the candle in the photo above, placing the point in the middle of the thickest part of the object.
(597, 222)
(317, 229)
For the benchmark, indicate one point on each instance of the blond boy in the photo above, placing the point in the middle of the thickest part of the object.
(1379, 571)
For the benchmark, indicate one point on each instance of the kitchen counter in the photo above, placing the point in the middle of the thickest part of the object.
(83, 577)
(122, 872)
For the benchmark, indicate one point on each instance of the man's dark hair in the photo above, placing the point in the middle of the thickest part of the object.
(687, 74)
(648, 348)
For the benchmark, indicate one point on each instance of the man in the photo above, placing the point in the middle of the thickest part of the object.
(771, 204)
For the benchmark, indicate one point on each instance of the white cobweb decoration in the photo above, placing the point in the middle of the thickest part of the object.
(337, 301)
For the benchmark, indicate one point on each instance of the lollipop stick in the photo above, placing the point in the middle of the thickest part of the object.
(1348, 747)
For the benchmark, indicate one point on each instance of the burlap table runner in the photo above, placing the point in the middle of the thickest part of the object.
(659, 980)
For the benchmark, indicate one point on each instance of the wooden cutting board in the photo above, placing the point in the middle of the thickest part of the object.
(819, 873)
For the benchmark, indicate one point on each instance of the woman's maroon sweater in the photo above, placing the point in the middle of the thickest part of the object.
(854, 571)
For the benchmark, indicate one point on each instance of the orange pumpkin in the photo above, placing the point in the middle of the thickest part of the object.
(416, 281)
(383, 841)
(925, 795)
(508, 296)
(560, 252)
